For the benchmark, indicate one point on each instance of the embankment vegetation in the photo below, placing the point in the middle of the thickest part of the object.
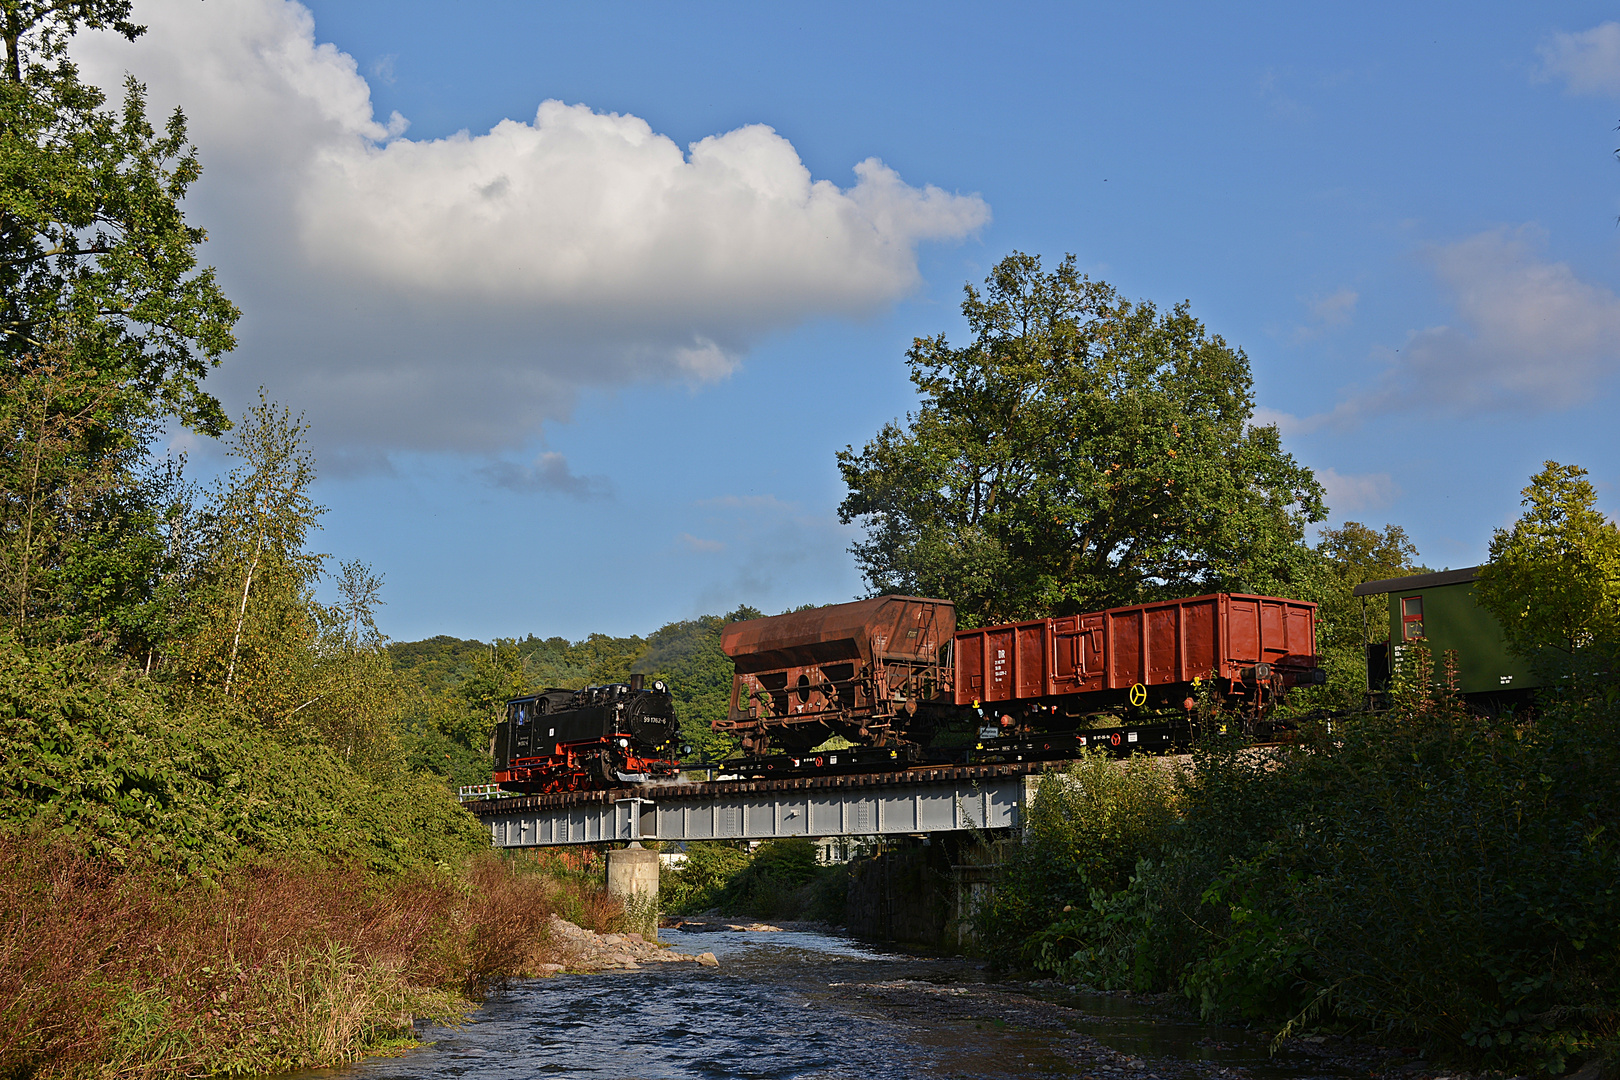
(273, 966)
(1425, 874)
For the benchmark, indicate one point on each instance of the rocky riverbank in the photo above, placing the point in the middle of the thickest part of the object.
(582, 950)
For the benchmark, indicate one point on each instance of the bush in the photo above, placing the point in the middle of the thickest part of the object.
(1450, 877)
(1086, 829)
(698, 883)
(94, 752)
(780, 880)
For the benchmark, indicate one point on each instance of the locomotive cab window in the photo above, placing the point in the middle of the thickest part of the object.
(1411, 618)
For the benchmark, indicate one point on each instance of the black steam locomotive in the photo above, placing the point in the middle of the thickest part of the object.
(568, 740)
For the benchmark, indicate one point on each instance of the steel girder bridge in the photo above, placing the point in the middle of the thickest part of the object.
(904, 803)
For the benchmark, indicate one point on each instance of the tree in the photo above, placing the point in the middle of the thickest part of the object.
(82, 515)
(1554, 578)
(1082, 451)
(107, 328)
(1356, 553)
(95, 254)
(253, 621)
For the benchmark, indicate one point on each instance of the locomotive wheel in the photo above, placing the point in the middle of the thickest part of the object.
(599, 769)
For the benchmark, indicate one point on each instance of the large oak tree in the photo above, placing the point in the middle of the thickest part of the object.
(1080, 451)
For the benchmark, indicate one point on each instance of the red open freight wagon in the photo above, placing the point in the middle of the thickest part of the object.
(1223, 636)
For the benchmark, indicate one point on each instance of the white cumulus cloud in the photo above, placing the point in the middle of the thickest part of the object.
(455, 293)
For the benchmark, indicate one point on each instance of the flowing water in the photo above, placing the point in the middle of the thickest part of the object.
(809, 1006)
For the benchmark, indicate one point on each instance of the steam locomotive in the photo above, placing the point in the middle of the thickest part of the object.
(567, 740)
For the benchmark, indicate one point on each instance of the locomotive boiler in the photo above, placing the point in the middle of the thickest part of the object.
(567, 740)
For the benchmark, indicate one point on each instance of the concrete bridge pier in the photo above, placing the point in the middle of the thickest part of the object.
(632, 878)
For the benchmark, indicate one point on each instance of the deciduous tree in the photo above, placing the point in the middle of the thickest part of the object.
(1080, 451)
(1356, 553)
(1554, 578)
(95, 254)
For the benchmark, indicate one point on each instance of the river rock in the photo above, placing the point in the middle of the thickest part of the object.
(584, 950)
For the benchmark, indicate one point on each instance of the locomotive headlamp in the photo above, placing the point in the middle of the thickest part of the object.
(624, 743)
(658, 685)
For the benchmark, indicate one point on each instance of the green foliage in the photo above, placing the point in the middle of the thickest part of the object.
(1349, 555)
(95, 253)
(88, 522)
(697, 884)
(1355, 554)
(781, 879)
(1082, 451)
(1425, 871)
(1554, 578)
(96, 754)
(1085, 831)
(251, 623)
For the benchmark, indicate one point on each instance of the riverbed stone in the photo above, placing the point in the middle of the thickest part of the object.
(587, 951)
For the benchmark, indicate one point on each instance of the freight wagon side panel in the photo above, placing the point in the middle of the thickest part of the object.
(1124, 645)
(1242, 633)
(1164, 645)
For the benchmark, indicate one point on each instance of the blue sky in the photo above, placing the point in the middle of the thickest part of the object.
(584, 366)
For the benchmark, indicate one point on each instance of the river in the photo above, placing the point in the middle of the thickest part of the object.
(798, 1005)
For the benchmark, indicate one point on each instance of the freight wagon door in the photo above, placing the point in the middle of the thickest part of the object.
(1065, 656)
(1242, 634)
(1032, 660)
(1092, 659)
(1164, 645)
(970, 666)
(1000, 655)
(1124, 647)
(1198, 641)
(1300, 636)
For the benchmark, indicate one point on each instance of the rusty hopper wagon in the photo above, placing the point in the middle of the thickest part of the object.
(1145, 655)
(874, 671)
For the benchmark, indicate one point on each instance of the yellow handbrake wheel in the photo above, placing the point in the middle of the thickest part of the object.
(1138, 695)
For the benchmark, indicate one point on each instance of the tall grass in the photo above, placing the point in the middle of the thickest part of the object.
(117, 974)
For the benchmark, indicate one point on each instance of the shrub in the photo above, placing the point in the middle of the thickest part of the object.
(1085, 830)
(697, 885)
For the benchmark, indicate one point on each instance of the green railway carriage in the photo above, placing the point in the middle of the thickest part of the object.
(1440, 612)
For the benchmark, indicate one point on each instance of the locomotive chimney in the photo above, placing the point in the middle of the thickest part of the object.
(636, 681)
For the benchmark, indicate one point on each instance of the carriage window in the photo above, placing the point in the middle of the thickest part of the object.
(1411, 618)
